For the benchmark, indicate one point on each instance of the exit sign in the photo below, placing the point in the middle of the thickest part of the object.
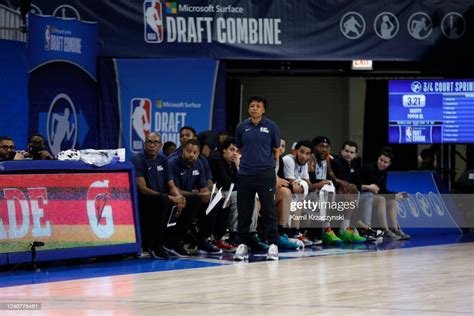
(362, 64)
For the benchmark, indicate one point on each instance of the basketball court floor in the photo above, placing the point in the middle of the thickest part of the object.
(427, 275)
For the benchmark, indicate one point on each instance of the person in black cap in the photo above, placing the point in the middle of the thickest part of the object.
(320, 174)
(320, 171)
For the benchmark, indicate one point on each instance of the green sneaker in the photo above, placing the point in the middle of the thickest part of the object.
(351, 236)
(330, 238)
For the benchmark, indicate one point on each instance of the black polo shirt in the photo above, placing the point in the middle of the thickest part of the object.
(187, 178)
(370, 173)
(257, 143)
(201, 158)
(347, 171)
(155, 171)
(224, 173)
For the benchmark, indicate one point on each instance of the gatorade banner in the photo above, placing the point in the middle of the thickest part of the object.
(162, 96)
(63, 89)
(65, 210)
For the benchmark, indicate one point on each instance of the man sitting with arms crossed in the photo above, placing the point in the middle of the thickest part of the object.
(186, 133)
(189, 176)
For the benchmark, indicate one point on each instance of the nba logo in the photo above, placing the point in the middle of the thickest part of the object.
(153, 20)
(140, 114)
(47, 37)
(409, 134)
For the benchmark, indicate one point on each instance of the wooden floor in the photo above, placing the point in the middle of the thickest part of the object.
(435, 280)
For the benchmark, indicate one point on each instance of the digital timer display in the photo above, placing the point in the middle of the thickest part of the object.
(431, 111)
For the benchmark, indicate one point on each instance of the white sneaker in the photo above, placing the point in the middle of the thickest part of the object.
(316, 242)
(298, 242)
(304, 240)
(272, 252)
(400, 233)
(390, 235)
(242, 253)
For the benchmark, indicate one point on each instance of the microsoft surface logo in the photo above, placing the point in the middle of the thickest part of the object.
(171, 8)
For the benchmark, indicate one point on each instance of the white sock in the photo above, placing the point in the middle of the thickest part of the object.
(345, 224)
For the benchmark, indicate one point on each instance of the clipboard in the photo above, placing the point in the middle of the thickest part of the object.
(227, 199)
(173, 218)
(214, 201)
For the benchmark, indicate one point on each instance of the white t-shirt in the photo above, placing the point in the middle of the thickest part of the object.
(321, 170)
(293, 170)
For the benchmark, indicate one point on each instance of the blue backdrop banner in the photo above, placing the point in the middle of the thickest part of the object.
(62, 88)
(163, 96)
(14, 91)
(275, 29)
(53, 39)
(427, 209)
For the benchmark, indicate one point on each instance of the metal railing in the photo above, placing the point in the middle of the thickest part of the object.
(11, 25)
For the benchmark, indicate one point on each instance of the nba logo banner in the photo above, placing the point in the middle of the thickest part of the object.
(153, 15)
(140, 113)
(62, 85)
(160, 100)
(47, 36)
(409, 134)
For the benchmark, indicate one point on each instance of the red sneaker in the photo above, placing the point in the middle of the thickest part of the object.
(304, 239)
(226, 247)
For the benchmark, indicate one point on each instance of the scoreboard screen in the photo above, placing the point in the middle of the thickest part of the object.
(431, 111)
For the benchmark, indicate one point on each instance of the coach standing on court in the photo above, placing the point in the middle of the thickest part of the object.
(258, 138)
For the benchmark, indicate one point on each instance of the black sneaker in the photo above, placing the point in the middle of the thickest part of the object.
(151, 252)
(378, 233)
(366, 234)
(177, 251)
(373, 235)
(257, 245)
(160, 253)
(207, 248)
